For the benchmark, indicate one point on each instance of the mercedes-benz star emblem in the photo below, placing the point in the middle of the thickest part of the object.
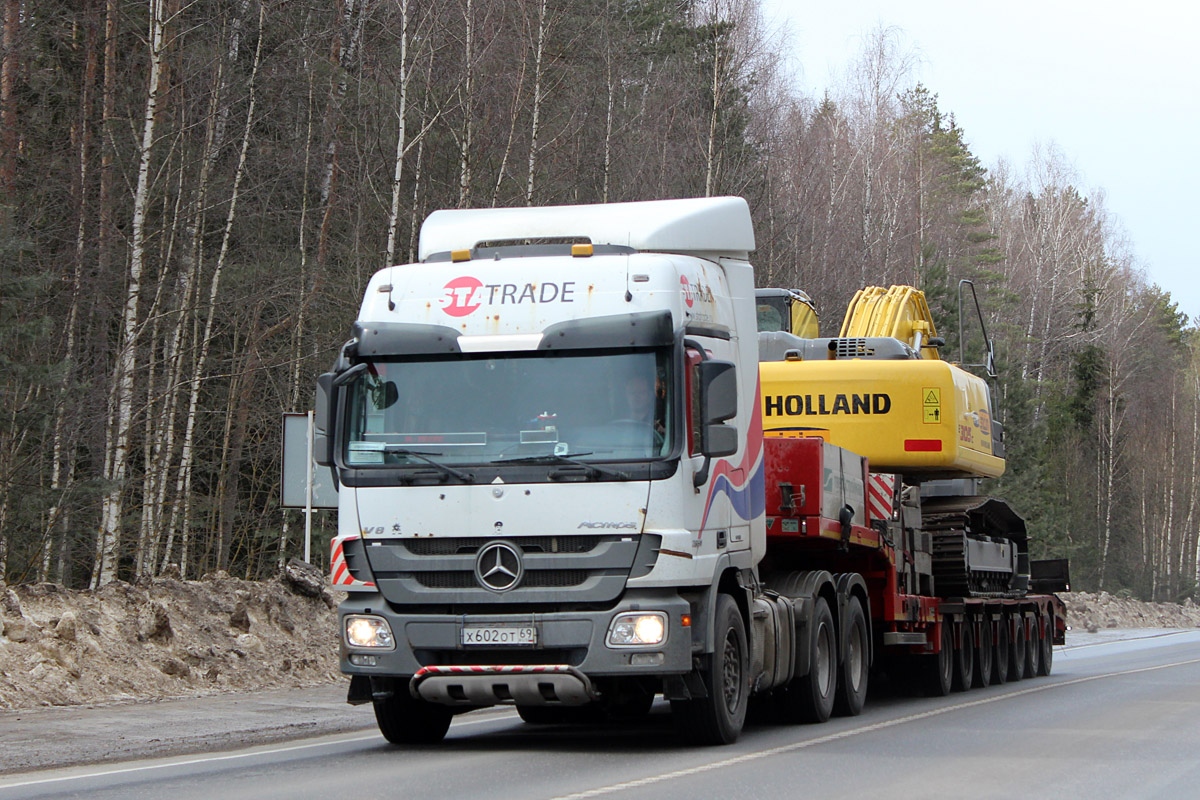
(498, 567)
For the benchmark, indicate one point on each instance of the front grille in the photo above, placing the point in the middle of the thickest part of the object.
(582, 568)
(528, 544)
(542, 578)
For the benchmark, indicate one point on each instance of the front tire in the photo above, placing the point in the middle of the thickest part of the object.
(403, 719)
(719, 717)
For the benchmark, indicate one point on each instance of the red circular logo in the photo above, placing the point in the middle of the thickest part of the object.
(463, 295)
(687, 291)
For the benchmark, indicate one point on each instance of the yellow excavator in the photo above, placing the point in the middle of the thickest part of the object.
(881, 389)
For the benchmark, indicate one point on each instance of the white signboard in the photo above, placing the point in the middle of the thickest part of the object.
(296, 460)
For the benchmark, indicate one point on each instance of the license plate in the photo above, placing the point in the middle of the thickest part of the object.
(493, 635)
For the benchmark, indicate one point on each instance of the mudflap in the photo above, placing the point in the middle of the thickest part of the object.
(360, 690)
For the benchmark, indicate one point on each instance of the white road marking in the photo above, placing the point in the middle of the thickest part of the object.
(104, 772)
(833, 737)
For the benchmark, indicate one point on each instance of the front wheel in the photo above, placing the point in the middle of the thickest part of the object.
(719, 717)
(403, 719)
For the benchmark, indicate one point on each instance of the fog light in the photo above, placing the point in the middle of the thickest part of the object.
(369, 632)
(646, 659)
(363, 660)
(638, 629)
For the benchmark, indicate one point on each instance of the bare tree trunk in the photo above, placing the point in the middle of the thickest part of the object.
(123, 374)
(415, 214)
(398, 166)
(468, 106)
(185, 467)
(8, 109)
(537, 102)
(512, 128)
(58, 486)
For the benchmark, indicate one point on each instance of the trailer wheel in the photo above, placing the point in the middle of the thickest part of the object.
(938, 669)
(1047, 645)
(1017, 657)
(1033, 652)
(810, 697)
(852, 678)
(964, 658)
(1003, 652)
(719, 717)
(984, 651)
(403, 719)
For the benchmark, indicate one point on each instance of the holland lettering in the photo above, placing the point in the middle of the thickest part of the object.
(795, 405)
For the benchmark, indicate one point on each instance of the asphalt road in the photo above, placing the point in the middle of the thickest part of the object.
(1116, 719)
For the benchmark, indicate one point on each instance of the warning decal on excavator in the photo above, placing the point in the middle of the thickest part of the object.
(931, 403)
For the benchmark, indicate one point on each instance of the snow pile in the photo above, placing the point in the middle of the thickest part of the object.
(1091, 612)
(165, 637)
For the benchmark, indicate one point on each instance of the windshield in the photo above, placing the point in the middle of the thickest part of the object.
(481, 409)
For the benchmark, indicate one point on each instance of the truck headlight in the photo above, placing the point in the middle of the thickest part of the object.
(362, 631)
(638, 629)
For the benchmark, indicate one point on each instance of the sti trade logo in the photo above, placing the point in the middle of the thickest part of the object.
(465, 294)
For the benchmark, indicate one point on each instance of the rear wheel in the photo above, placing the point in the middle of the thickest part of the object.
(719, 717)
(1033, 650)
(1002, 652)
(852, 683)
(983, 656)
(938, 669)
(810, 698)
(403, 719)
(964, 657)
(1047, 644)
(1016, 661)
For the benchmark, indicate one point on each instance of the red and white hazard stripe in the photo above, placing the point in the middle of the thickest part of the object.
(881, 492)
(339, 574)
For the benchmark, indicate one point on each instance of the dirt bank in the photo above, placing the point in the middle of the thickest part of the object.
(165, 638)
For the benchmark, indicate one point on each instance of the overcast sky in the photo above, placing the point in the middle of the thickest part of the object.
(1114, 86)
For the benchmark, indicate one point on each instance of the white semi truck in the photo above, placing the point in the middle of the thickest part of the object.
(548, 442)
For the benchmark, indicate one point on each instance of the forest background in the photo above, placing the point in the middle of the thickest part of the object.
(193, 194)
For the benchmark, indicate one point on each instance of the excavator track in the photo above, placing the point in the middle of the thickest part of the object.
(978, 547)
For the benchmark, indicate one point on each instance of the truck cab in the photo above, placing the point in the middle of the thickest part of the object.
(547, 441)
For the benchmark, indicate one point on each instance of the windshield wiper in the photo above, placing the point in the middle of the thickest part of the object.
(422, 455)
(573, 459)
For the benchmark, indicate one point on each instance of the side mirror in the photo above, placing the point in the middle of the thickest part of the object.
(718, 402)
(324, 409)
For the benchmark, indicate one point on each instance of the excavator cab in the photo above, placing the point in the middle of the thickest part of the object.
(787, 311)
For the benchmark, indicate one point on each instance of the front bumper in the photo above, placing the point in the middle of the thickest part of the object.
(573, 639)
